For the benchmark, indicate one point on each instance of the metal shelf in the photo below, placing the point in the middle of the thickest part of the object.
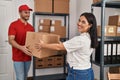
(108, 39)
(106, 65)
(109, 4)
(50, 14)
(57, 76)
(105, 40)
(52, 77)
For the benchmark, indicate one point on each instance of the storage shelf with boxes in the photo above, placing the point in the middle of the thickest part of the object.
(107, 53)
(55, 24)
(111, 42)
(52, 26)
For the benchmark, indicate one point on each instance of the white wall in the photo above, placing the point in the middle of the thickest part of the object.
(85, 6)
(73, 30)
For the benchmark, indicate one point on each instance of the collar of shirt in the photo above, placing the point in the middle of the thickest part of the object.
(22, 22)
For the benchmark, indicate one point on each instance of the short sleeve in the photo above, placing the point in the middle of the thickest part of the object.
(12, 30)
(73, 44)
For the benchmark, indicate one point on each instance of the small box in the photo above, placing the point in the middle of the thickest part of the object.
(109, 30)
(40, 63)
(59, 30)
(114, 20)
(34, 37)
(114, 69)
(61, 6)
(42, 28)
(58, 64)
(50, 60)
(118, 31)
(50, 65)
(56, 22)
(45, 22)
(43, 6)
(59, 60)
(95, 1)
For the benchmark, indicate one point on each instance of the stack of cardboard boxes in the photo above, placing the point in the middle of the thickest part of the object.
(52, 26)
(49, 62)
(52, 6)
(113, 27)
(115, 21)
(44, 25)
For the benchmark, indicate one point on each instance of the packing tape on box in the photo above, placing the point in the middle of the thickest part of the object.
(118, 29)
(40, 27)
(52, 28)
(41, 21)
(53, 21)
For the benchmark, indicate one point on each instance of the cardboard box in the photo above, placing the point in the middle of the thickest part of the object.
(95, 1)
(114, 20)
(61, 6)
(59, 60)
(109, 30)
(34, 37)
(59, 30)
(40, 63)
(42, 28)
(45, 22)
(56, 22)
(114, 69)
(118, 31)
(43, 6)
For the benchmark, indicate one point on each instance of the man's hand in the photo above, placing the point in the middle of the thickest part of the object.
(25, 50)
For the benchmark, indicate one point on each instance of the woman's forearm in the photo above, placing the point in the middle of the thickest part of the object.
(54, 46)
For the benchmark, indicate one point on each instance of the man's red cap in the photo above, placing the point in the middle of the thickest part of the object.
(24, 7)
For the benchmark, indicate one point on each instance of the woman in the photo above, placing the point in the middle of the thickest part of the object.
(79, 48)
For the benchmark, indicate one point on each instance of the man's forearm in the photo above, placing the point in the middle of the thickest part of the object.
(15, 44)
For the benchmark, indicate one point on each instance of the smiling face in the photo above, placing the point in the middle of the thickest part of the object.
(83, 25)
(25, 15)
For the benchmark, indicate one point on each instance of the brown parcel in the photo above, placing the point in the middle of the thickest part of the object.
(44, 29)
(43, 6)
(61, 6)
(114, 20)
(33, 37)
(114, 69)
(56, 22)
(109, 30)
(45, 22)
(59, 30)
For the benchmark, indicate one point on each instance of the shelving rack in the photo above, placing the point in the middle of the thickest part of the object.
(54, 76)
(106, 40)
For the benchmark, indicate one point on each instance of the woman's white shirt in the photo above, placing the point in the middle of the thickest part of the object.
(79, 51)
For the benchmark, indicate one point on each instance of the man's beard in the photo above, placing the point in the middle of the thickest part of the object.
(26, 19)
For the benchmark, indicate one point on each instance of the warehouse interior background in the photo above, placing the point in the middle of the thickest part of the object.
(77, 7)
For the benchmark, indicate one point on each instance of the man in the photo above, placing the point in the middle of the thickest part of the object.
(17, 34)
